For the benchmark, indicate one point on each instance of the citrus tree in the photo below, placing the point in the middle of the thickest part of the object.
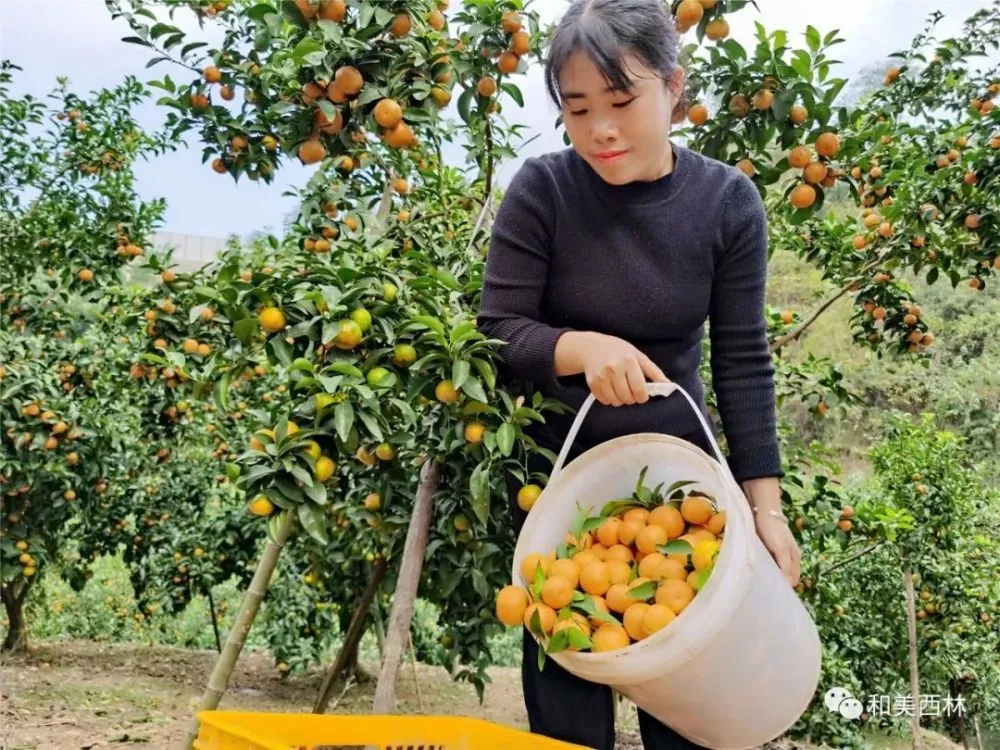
(71, 220)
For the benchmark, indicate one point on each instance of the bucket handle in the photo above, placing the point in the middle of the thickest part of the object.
(654, 389)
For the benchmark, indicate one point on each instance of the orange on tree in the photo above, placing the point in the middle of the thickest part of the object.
(527, 495)
(828, 144)
(698, 114)
(486, 86)
(688, 14)
(401, 25)
(325, 466)
(802, 196)
(261, 506)
(373, 501)
(272, 319)
(388, 113)
(445, 392)
(717, 29)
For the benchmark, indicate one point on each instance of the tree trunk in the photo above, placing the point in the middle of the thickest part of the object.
(17, 626)
(347, 656)
(224, 665)
(911, 627)
(979, 732)
(215, 619)
(406, 589)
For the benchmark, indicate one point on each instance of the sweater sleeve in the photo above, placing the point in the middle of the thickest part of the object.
(515, 277)
(742, 368)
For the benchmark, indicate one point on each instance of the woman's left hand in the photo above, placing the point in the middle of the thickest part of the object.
(778, 539)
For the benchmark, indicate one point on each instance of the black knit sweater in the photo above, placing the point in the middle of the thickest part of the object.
(648, 262)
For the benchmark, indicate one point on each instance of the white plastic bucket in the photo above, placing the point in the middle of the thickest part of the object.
(741, 663)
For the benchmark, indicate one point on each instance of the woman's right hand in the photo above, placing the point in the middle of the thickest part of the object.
(617, 371)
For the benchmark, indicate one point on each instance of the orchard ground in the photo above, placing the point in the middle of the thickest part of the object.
(81, 694)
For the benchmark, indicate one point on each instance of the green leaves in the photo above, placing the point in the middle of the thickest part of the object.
(343, 418)
(479, 487)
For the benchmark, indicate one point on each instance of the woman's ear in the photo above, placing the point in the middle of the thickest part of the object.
(678, 94)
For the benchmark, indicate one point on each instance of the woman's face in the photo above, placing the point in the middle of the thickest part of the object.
(623, 135)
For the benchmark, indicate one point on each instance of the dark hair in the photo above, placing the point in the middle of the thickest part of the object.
(608, 30)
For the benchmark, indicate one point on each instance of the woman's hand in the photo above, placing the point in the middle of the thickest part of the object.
(616, 371)
(778, 539)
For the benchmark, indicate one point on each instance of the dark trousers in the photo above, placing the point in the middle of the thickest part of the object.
(565, 707)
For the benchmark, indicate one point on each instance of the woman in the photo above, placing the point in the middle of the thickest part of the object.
(606, 259)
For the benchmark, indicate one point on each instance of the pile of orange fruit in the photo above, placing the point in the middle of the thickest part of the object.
(620, 576)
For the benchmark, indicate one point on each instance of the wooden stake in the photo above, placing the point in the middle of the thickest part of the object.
(351, 639)
(406, 588)
(224, 665)
(911, 626)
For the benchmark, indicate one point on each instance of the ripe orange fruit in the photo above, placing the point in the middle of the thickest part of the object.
(401, 186)
(511, 22)
(620, 571)
(261, 506)
(373, 501)
(388, 113)
(688, 14)
(445, 392)
(328, 126)
(307, 9)
(584, 557)
(527, 495)
(798, 114)
(595, 578)
(609, 637)
(859, 242)
(486, 86)
(845, 525)
(828, 144)
(69, 495)
(546, 616)
(333, 10)
(657, 617)
(400, 136)
(511, 604)
(814, 172)
(325, 467)
(717, 523)
(669, 518)
(799, 157)
(972, 221)
(507, 63)
(632, 620)
(349, 80)
(520, 43)
(349, 335)
(575, 621)
(675, 594)
(436, 20)
(271, 319)
(627, 533)
(891, 75)
(618, 599)
(557, 592)
(607, 532)
(212, 74)
(638, 515)
(652, 566)
(696, 509)
(312, 151)
(401, 25)
(618, 552)
(566, 569)
(704, 554)
(803, 196)
(698, 114)
(763, 99)
(717, 29)
(85, 275)
(474, 432)
(885, 229)
(746, 167)
(647, 540)
(531, 563)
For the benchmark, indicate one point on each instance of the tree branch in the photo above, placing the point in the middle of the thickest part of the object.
(852, 558)
(797, 332)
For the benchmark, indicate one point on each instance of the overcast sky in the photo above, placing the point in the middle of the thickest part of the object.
(78, 39)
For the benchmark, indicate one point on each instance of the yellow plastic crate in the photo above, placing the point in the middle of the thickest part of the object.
(238, 730)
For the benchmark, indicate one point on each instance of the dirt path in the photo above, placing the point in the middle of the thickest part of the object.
(89, 695)
(83, 695)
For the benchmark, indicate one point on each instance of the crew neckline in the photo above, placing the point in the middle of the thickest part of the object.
(642, 192)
